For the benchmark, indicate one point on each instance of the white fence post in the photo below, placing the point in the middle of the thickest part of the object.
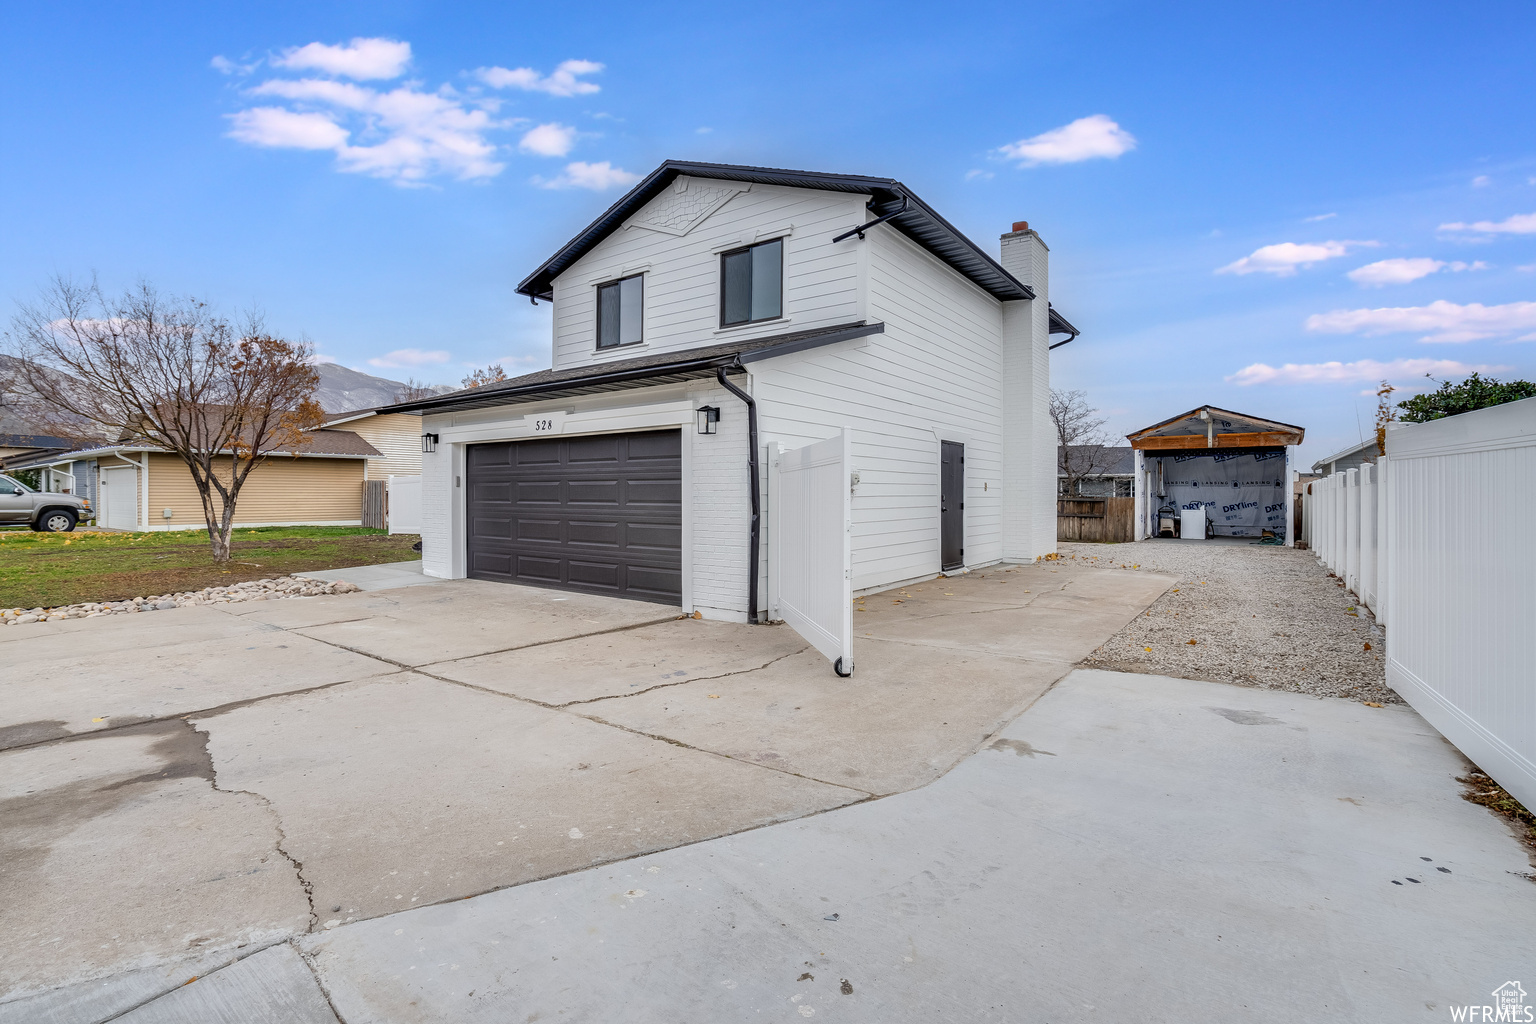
(1367, 592)
(1383, 563)
(1351, 571)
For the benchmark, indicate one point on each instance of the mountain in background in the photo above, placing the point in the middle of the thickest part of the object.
(343, 390)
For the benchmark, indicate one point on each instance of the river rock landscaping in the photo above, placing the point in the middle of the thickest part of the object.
(251, 590)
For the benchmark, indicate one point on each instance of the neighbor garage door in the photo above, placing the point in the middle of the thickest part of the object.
(602, 514)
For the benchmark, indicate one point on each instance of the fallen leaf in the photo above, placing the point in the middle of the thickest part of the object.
(1372, 704)
(712, 696)
(1367, 645)
(1147, 649)
(698, 615)
(1191, 642)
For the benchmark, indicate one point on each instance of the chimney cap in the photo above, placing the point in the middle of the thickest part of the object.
(1021, 225)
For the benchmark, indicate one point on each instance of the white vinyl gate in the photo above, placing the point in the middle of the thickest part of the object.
(811, 544)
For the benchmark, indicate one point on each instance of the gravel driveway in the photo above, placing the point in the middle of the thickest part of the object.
(1262, 616)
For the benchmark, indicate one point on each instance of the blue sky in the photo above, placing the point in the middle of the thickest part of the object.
(1262, 208)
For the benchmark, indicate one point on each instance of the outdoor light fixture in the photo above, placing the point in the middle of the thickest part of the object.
(429, 442)
(709, 418)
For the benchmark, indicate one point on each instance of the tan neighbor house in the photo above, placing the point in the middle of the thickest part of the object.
(140, 487)
(397, 436)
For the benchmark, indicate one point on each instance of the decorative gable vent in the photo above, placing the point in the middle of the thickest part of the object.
(685, 205)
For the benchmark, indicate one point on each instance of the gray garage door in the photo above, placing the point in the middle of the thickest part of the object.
(602, 514)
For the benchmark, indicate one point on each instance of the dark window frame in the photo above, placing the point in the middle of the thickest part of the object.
(597, 293)
(782, 263)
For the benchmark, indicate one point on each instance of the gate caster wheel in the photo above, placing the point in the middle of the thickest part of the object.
(837, 666)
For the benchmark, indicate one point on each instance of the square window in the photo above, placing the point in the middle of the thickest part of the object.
(620, 305)
(752, 284)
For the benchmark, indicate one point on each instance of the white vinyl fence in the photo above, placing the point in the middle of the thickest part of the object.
(404, 504)
(1439, 540)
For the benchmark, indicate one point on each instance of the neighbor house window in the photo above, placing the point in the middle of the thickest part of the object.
(619, 306)
(752, 284)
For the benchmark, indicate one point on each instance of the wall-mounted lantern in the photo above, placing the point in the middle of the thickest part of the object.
(709, 418)
(429, 442)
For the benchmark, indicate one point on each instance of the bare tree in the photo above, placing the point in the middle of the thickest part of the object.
(1080, 439)
(492, 374)
(171, 374)
(414, 390)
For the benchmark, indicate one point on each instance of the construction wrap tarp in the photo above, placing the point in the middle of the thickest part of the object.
(1242, 492)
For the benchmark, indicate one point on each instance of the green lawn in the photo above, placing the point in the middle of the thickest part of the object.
(54, 569)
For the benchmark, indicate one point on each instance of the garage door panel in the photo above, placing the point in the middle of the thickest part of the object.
(528, 454)
(597, 448)
(661, 493)
(668, 445)
(537, 492)
(491, 527)
(600, 513)
(539, 570)
(600, 575)
(594, 492)
(654, 537)
(590, 533)
(538, 531)
(646, 579)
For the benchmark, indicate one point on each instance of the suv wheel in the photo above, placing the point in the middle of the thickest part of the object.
(57, 520)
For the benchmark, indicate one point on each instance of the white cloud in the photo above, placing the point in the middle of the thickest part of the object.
(404, 135)
(361, 59)
(702, 131)
(225, 66)
(565, 80)
(410, 358)
(548, 140)
(1440, 321)
(1318, 217)
(284, 129)
(1349, 373)
(978, 174)
(1283, 258)
(1086, 138)
(1401, 271)
(1527, 268)
(323, 360)
(1482, 181)
(597, 177)
(1519, 224)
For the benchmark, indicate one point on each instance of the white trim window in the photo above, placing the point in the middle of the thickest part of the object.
(620, 312)
(752, 283)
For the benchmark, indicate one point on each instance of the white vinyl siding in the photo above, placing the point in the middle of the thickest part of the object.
(934, 375)
(822, 282)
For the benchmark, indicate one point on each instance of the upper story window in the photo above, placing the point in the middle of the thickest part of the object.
(620, 305)
(752, 284)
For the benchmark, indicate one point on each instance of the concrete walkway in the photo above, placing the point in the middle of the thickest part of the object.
(1132, 848)
(207, 781)
(385, 576)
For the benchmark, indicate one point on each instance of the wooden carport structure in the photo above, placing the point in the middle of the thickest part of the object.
(1208, 427)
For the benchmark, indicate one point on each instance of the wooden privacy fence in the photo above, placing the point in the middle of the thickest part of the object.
(373, 504)
(1437, 540)
(1108, 520)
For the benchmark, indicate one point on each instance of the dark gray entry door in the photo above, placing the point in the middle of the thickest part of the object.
(602, 514)
(951, 505)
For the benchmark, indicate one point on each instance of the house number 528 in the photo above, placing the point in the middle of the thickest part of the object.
(543, 426)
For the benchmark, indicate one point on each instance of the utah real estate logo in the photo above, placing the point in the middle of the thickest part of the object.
(1508, 1005)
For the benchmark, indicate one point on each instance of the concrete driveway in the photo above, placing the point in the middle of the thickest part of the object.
(181, 788)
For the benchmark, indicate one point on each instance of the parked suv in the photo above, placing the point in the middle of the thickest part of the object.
(41, 510)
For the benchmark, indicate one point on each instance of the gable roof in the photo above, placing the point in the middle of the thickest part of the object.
(34, 441)
(1233, 430)
(641, 371)
(918, 222)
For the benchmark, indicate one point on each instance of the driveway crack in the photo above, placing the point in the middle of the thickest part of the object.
(212, 775)
(684, 682)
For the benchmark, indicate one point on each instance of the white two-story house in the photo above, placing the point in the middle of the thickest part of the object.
(714, 316)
